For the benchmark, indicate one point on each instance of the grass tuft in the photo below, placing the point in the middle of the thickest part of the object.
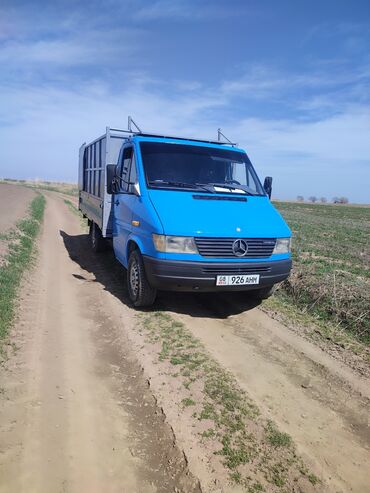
(75, 211)
(188, 402)
(18, 259)
(276, 437)
(246, 441)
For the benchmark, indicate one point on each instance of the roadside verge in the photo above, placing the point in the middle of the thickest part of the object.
(20, 253)
(220, 426)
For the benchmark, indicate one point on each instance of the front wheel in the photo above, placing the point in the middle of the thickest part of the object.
(140, 292)
(263, 293)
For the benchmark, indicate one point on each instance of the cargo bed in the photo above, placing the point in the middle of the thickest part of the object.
(94, 201)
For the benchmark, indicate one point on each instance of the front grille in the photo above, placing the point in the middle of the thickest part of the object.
(247, 269)
(223, 247)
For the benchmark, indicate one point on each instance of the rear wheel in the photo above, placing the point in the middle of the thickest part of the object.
(98, 243)
(140, 292)
(263, 293)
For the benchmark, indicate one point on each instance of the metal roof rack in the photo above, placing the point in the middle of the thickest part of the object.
(226, 141)
(139, 132)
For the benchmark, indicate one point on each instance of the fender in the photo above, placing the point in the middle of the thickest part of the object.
(143, 246)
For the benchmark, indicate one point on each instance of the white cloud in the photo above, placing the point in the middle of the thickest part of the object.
(46, 126)
(343, 137)
(88, 48)
(328, 157)
(261, 81)
(163, 9)
(182, 10)
(320, 146)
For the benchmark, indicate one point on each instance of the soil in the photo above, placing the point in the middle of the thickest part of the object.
(14, 202)
(319, 401)
(76, 412)
(85, 406)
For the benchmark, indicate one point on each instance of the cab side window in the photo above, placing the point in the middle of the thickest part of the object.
(124, 169)
(133, 175)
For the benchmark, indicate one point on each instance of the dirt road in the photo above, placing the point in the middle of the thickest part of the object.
(77, 414)
(323, 405)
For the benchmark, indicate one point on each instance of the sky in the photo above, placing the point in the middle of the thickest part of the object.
(289, 81)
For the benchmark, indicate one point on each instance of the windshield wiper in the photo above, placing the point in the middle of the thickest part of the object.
(232, 187)
(181, 184)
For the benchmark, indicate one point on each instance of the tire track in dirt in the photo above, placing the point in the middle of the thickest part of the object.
(76, 414)
(322, 404)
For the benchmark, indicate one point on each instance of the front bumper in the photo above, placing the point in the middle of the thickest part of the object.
(170, 275)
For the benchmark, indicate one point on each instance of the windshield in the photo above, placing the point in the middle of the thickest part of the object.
(207, 169)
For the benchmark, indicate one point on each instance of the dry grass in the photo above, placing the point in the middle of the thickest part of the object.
(61, 187)
(331, 274)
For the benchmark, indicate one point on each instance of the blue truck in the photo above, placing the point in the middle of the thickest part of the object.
(182, 214)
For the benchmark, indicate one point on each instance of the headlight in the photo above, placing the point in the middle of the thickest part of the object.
(174, 244)
(282, 245)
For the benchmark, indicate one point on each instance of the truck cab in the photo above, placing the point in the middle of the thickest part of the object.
(192, 215)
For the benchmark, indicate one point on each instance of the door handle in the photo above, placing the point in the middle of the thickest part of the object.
(116, 202)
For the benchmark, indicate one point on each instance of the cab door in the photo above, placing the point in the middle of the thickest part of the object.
(124, 202)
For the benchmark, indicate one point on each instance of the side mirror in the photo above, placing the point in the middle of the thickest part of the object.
(267, 185)
(111, 172)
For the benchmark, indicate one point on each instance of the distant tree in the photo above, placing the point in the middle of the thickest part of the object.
(340, 200)
(300, 198)
(312, 199)
(323, 200)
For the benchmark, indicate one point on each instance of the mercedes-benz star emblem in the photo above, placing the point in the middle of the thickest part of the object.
(240, 248)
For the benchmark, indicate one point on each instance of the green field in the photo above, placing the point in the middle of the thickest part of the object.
(51, 186)
(331, 274)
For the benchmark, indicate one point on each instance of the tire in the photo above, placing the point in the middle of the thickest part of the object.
(140, 292)
(98, 243)
(263, 293)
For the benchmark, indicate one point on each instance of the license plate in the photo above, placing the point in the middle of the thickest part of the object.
(237, 280)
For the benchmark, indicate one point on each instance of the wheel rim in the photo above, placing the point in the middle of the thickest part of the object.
(134, 279)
